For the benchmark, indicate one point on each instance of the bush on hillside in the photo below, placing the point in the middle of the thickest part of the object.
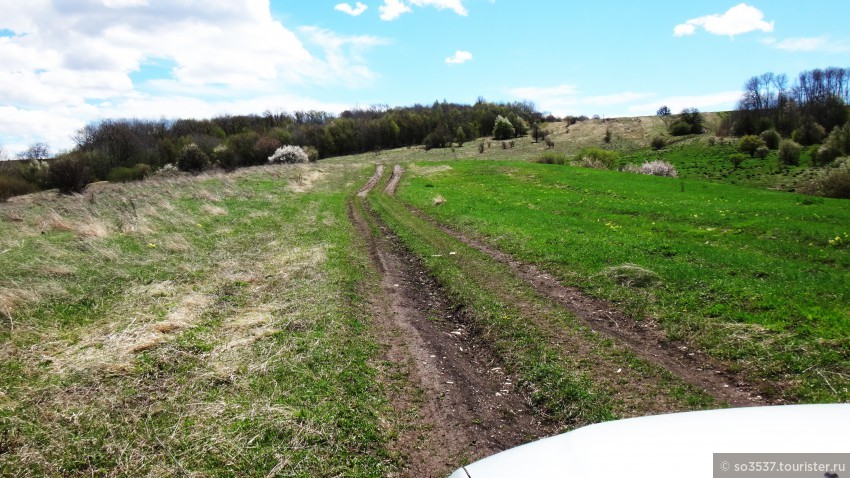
(125, 175)
(652, 168)
(771, 138)
(551, 158)
(762, 152)
(192, 159)
(834, 182)
(597, 158)
(15, 186)
(808, 133)
(789, 152)
(658, 142)
(680, 128)
(736, 159)
(289, 154)
(225, 158)
(749, 144)
(69, 174)
(35, 171)
(503, 129)
(839, 140)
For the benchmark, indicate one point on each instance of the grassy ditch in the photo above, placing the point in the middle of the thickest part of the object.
(571, 375)
(755, 278)
(205, 326)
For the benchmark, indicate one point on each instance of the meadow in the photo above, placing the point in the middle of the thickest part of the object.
(753, 277)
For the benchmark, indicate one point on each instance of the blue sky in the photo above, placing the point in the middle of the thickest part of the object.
(66, 64)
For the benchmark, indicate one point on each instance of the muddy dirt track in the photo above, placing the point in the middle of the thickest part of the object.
(465, 405)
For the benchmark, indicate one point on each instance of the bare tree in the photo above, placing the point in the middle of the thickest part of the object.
(36, 151)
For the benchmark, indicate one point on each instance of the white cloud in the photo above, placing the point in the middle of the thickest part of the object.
(71, 62)
(741, 18)
(810, 44)
(392, 9)
(455, 5)
(354, 11)
(459, 57)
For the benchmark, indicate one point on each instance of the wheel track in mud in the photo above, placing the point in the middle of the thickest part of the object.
(462, 406)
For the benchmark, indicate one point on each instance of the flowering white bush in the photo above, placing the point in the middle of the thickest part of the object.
(659, 168)
(289, 154)
(167, 171)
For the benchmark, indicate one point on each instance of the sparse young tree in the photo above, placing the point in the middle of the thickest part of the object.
(771, 138)
(503, 129)
(663, 111)
(749, 144)
(460, 136)
(789, 152)
(736, 159)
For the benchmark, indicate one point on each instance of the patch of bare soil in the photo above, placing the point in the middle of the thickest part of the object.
(644, 338)
(459, 405)
(379, 171)
(392, 184)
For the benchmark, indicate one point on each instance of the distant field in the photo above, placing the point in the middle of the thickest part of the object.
(754, 277)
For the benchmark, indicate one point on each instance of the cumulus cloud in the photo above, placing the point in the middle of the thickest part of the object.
(354, 11)
(459, 57)
(809, 44)
(741, 18)
(392, 9)
(67, 63)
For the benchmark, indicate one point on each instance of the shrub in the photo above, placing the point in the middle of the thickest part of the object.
(520, 126)
(289, 154)
(69, 174)
(749, 144)
(607, 137)
(551, 158)
(168, 170)
(503, 129)
(15, 186)
(762, 152)
(549, 143)
(736, 159)
(680, 128)
(192, 159)
(125, 175)
(834, 183)
(225, 157)
(808, 133)
(35, 171)
(242, 145)
(789, 152)
(312, 153)
(839, 140)
(481, 147)
(658, 142)
(659, 168)
(597, 158)
(771, 138)
(266, 146)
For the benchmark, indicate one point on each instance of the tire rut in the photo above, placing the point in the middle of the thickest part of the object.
(464, 407)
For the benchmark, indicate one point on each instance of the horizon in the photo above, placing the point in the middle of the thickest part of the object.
(72, 65)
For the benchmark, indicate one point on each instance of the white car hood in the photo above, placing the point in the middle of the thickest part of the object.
(674, 445)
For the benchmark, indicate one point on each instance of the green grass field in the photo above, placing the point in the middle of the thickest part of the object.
(754, 277)
(204, 327)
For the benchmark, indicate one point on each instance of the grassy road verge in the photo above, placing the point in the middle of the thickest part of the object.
(194, 326)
